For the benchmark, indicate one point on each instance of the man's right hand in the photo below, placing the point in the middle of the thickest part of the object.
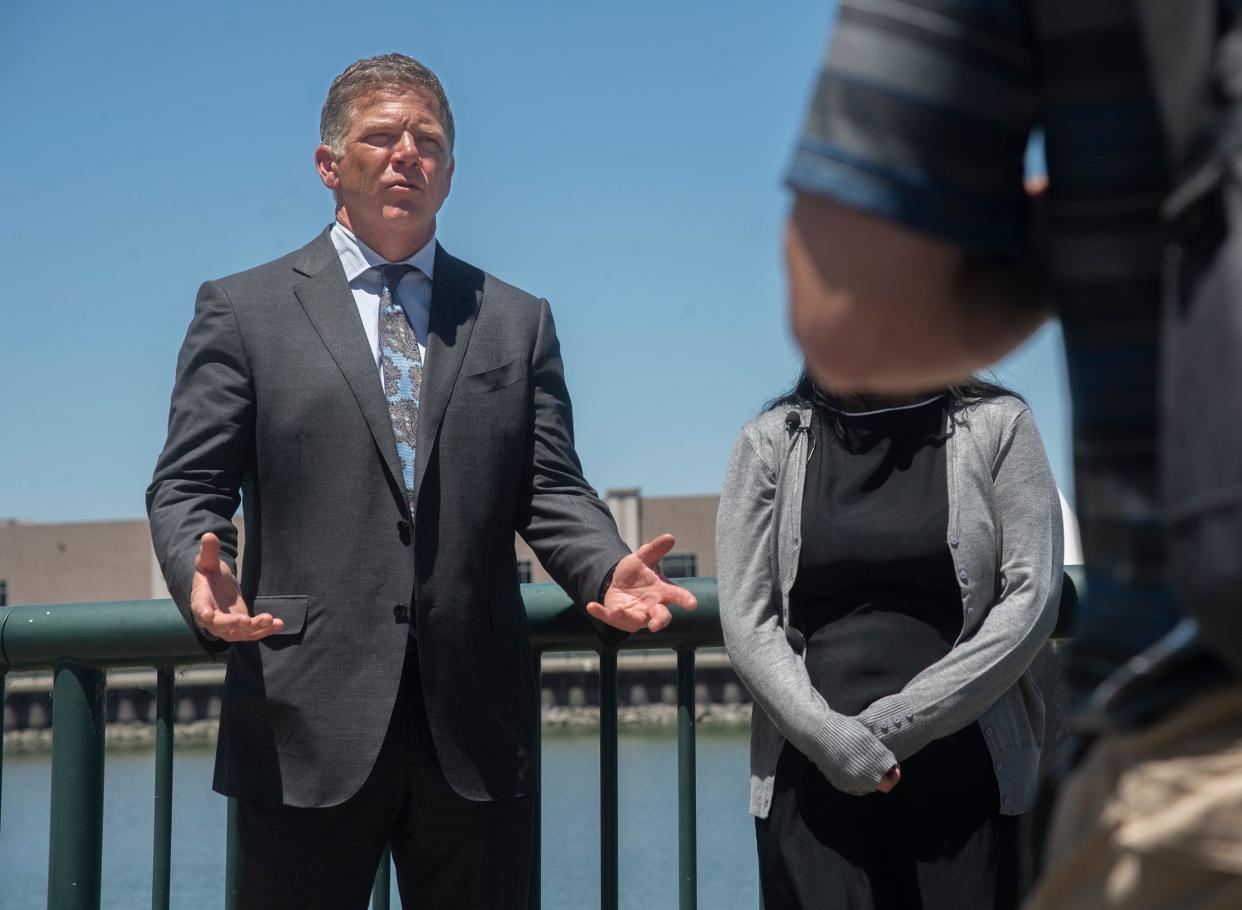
(216, 602)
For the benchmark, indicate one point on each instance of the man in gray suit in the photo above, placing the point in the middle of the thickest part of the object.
(391, 416)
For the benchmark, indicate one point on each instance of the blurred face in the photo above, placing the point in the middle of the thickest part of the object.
(393, 173)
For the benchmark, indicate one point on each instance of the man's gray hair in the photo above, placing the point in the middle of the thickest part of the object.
(386, 73)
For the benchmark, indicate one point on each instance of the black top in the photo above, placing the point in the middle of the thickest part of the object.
(875, 595)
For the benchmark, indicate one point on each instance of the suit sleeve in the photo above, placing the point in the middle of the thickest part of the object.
(197, 483)
(960, 687)
(563, 520)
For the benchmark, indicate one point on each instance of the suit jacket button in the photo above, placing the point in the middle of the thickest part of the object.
(403, 530)
(401, 613)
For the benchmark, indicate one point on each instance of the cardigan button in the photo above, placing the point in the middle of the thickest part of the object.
(961, 573)
(953, 542)
(401, 613)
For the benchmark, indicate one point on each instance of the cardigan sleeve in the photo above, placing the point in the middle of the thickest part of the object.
(960, 687)
(849, 755)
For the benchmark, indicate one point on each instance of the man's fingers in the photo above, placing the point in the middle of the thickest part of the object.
(240, 627)
(658, 617)
(255, 633)
(618, 619)
(208, 559)
(654, 550)
(678, 597)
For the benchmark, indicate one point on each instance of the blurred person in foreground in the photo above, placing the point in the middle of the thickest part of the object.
(915, 256)
(889, 566)
(391, 416)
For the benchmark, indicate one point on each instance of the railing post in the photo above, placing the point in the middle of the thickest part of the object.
(608, 814)
(382, 888)
(231, 871)
(534, 898)
(76, 839)
(161, 854)
(687, 829)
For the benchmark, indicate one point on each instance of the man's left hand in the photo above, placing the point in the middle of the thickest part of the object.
(639, 591)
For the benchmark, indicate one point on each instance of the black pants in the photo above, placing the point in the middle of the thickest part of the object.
(936, 842)
(450, 852)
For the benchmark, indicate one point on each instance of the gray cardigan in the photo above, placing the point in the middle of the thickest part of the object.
(1005, 537)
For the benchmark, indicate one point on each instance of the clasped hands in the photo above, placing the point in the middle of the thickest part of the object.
(635, 600)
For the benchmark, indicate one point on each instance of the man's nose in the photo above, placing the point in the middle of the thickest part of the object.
(406, 149)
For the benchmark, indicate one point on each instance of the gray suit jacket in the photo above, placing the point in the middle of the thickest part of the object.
(278, 404)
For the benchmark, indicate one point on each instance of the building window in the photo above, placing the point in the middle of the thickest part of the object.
(524, 570)
(679, 565)
(4, 593)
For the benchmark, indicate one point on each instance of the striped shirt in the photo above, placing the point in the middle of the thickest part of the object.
(922, 115)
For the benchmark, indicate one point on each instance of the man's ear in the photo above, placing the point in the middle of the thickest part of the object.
(325, 164)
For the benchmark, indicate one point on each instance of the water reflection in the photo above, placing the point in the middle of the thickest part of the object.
(648, 769)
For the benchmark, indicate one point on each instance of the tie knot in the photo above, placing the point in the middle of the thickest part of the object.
(391, 275)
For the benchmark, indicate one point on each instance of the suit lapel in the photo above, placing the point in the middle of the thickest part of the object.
(456, 294)
(329, 304)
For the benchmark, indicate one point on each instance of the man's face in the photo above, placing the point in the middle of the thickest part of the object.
(393, 173)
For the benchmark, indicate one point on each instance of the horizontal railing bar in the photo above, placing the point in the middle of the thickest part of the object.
(111, 634)
(146, 633)
(152, 632)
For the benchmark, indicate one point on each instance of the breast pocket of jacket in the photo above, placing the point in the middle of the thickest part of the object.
(494, 379)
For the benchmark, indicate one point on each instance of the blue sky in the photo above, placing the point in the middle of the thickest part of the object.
(623, 160)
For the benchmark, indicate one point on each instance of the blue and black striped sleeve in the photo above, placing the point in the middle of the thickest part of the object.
(921, 115)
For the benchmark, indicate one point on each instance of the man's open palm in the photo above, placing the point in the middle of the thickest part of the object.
(217, 603)
(639, 591)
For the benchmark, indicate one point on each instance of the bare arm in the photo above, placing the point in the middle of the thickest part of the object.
(879, 307)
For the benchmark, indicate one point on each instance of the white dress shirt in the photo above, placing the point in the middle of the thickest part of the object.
(413, 291)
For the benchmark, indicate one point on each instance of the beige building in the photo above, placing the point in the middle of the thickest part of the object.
(113, 560)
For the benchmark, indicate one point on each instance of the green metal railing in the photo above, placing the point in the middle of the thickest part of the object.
(81, 642)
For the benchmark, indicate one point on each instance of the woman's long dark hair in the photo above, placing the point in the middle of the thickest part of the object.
(806, 394)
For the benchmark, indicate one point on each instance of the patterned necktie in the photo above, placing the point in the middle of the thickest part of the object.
(402, 367)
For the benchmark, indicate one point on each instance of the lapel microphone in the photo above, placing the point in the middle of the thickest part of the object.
(793, 422)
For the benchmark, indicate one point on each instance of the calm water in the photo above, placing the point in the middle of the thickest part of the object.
(648, 771)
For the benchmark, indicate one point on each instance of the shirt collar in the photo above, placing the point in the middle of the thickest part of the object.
(357, 257)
